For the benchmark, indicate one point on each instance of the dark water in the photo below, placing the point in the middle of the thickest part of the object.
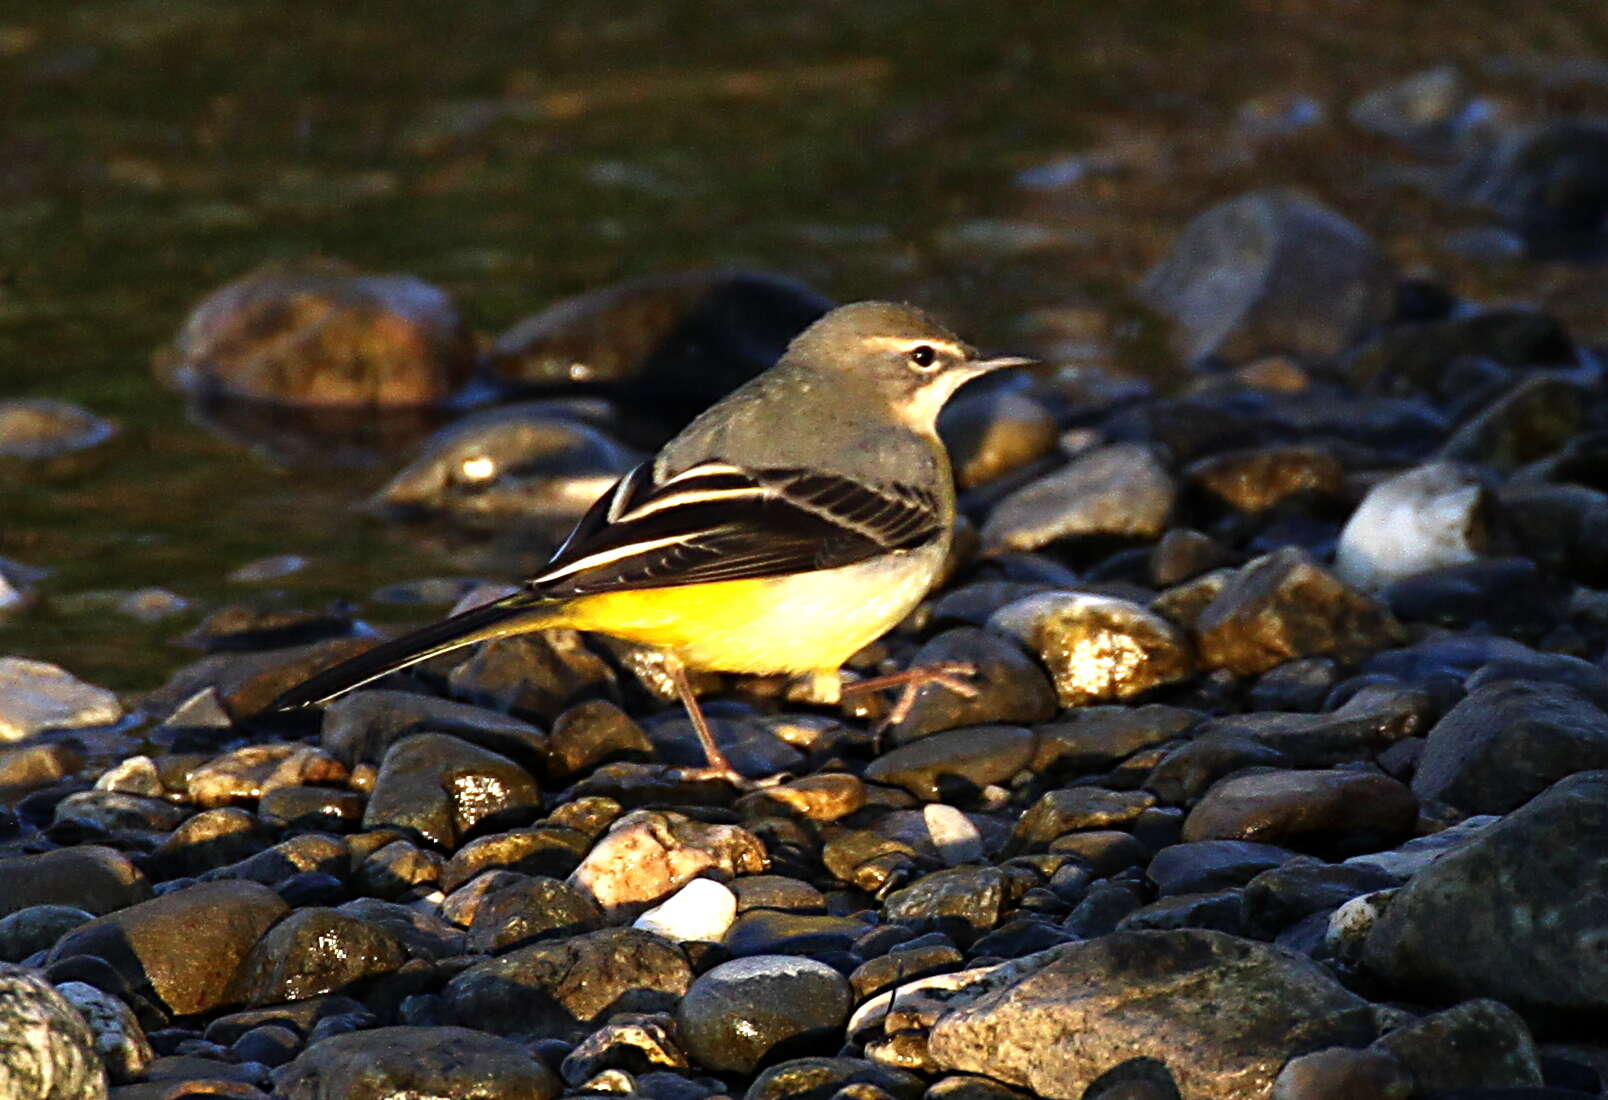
(515, 152)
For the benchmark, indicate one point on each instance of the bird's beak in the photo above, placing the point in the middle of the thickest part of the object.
(984, 366)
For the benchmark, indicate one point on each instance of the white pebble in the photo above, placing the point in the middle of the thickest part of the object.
(953, 834)
(1426, 518)
(702, 910)
(1350, 924)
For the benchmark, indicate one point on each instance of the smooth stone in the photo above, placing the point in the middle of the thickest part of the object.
(212, 838)
(740, 1013)
(1561, 528)
(648, 855)
(774, 932)
(962, 902)
(1200, 866)
(566, 987)
(1427, 517)
(268, 1044)
(1120, 490)
(89, 877)
(1222, 1013)
(825, 797)
(119, 1039)
(35, 429)
(1536, 417)
(288, 858)
(417, 927)
(542, 850)
(1341, 1073)
(848, 1078)
(905, 963)
(953, 834)
(1271, 271)
(535, 909)
(534, 676)
(674, 343)
(635, 1044)
(1364, 726)
(398, 867)
(36, 928)
(592, 733)
(391, 1062)
(362, 726)
(1074, 808)
(1507, 741)
(521, 463)
(25, 768)
(1094, 739)
(36, 696)
(702, 911)
(1009, 686)
(49, 1053)
(1256, 479)
(322, 335)
(113, 811)
(1408, 859)
(1218, 910)
(1184, 553)
(248, 773)
(1477, 1044)
(1327, 812)
(440, 788)
(1548, 181)
(186, 944)
(1283, 606)
(991, 433)
(777, 892)
(312, 952)
(313, 808)
(1489, 919)
(1280, 896)
(1301, 685)
(1097, 648)
(955, 761)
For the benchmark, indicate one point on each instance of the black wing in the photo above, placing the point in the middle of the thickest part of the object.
(718, 522)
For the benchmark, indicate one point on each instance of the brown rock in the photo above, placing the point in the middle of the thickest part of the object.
(648, 855)
(1255, 479)
(1314, 811)
(89, 877)
(1097, 647)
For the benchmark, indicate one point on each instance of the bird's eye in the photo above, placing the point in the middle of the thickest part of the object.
(923, 356)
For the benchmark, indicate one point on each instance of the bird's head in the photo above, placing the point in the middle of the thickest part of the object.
(912, 362)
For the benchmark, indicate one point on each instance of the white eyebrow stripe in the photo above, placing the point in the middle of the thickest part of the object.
(606, 556)
(904, 343)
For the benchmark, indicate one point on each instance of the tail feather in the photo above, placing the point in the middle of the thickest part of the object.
(514, 614)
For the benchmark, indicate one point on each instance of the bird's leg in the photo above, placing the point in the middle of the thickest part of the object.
(950, 675)
(716, 764)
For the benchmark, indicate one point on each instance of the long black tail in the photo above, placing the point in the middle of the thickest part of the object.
(514, 614)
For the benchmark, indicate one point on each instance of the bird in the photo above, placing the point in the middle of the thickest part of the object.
(782, 530)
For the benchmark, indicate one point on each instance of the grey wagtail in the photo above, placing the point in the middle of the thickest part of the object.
(788, 526)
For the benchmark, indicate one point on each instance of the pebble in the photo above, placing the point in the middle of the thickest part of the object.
(738, 1013)
(119, 1039)
(954, 762)
(1324, 811)
(533, 909)
(648, 855)
(36, 429)
(702, 911)
(310, 952)
(1007, 685)
(992, 433)
(50, 1054)
(36, 696)
(953, 834)
(439, 787)
(427, 1061)
(1430, 516)
(1121, 490)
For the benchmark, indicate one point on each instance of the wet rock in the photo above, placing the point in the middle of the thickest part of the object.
(1412, 857)
(243, 683)
(1428, 517)
(1315, 811)
(749, 744)
(770, 932)
(593, 733)
(962, 902)
(991, 433)
(1121, 490)
(954, 761)
(440, 788)
(674, 343)
(269, 1045)
(1097, 647)
(777, 892)
(565, 987)
(1341, 1072)
(1491, 918)
(648, 855)
(416, 1061)
(513, 463)
(1219, 910)
(398, 867)
(701, 911)
(113, 811)
(36, 696)
(1552, 183)
(1256, 479)
(421, 932)
(1092, 739)
(1074, 808)
(363, 725)
(36, 928)
(1477, 1044)
(38, 428)
(1103, 851)
(89, 877)
(857, 1078)
(634, 1044)
(248, 773)
(119, 1039)
(135, 775)
(920, 958)
(1267, 272)
(1221, 1013)
(323, 335)
(312, 952)
(285, 860)
(1531, 421)
(868, 860)
(50, 1051)
(1280, 896)
(537, 908)
(313, 808)
(1507, 741)
(1283, 606)
(534, 676)
(185, 945)
(824, 797)
(29, 767)
(265, 625)
(542, 850)
(1010, 688)
(1202, 866)
(1366, 724)
(1426, 111)
(745, 1012)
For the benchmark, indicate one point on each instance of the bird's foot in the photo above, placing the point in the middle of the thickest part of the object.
(950, 675)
